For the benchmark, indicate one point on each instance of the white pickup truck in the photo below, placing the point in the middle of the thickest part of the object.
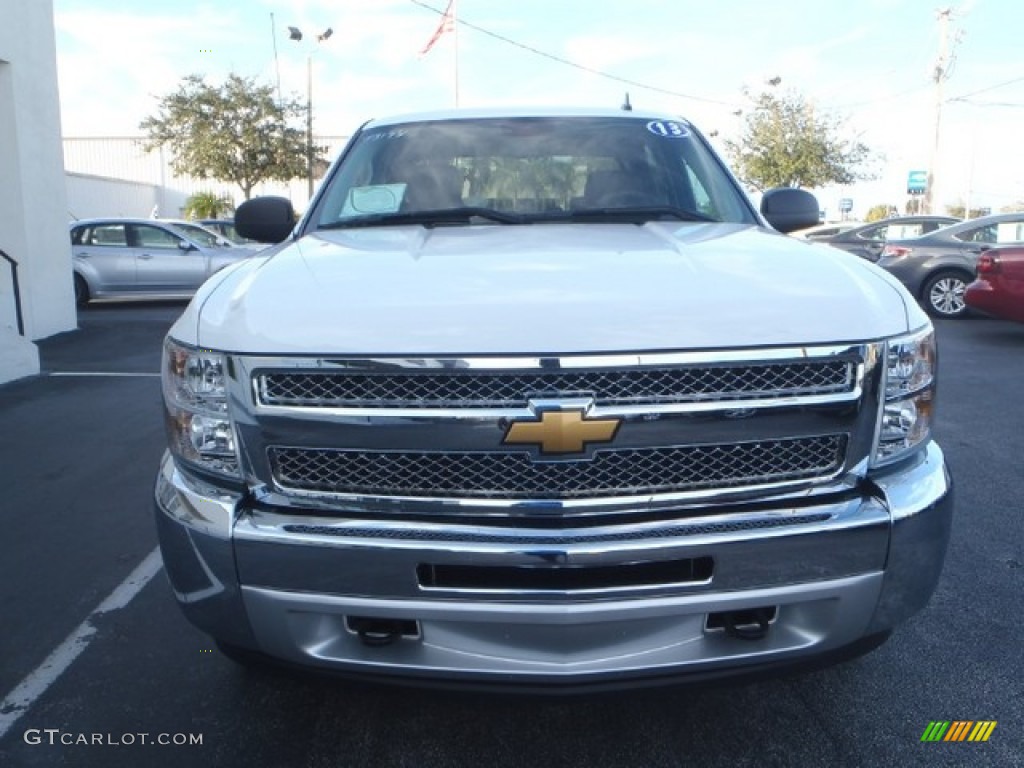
(538, 399)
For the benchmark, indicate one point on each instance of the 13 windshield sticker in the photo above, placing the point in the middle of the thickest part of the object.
(668, 129)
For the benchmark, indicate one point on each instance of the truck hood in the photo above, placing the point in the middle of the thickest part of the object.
(544, 288)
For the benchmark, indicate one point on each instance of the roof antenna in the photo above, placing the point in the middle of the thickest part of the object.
(626, 106)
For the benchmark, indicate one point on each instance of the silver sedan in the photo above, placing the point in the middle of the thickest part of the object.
(153, 258)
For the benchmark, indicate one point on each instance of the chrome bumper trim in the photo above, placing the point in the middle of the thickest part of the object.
(791, 546)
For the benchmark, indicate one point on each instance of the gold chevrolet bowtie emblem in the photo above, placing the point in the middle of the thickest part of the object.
(561, 432)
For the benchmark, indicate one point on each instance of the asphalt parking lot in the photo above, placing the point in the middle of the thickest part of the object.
(77, 460)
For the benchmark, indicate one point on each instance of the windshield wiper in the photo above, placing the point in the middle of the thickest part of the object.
(441, 216)
(637, 213)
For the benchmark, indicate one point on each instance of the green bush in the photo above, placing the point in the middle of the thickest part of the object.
(208, 205)
(881, 211)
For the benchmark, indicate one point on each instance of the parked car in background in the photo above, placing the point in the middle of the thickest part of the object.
(156, 258)
(999, 289)
(821, 231)
(225, 228)
(868, 240)
(937, 267)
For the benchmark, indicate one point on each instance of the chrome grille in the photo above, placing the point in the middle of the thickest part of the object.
(498, 389)
(512, 474)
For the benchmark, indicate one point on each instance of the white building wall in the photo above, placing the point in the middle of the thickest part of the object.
(97, 196)
(122, 157)
(33, 209)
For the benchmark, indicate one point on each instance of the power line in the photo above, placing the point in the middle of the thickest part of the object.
(964, 96)
(991, 103)
(881, 99)
(575, 65)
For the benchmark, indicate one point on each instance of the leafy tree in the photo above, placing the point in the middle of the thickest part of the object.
(208, 205)
(958, 210)
(234, 132)
(786, 142)
(879, 212)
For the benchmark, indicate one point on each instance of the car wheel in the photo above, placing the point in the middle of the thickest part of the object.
(81, 291)
(944, 294)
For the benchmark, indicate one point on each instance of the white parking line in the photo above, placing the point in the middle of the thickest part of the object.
(17, 702)
(112, 374)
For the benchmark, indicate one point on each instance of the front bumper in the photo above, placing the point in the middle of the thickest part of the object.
(833, 572)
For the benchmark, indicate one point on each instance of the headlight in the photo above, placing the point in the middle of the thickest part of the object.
(199, 428)
(909, 398)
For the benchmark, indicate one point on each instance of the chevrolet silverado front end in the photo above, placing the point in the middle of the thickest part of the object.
(517, 432)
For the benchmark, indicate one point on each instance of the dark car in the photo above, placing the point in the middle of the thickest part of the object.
(868, 240)
(936, 268)
(825, 231)
(225, 228)
(999, 289)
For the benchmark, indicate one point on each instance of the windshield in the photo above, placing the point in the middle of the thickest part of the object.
(529, 170)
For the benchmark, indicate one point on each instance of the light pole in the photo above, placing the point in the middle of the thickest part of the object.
(294, 33)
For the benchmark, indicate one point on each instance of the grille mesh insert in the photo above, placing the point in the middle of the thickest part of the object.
(513, 475)
(454, 388)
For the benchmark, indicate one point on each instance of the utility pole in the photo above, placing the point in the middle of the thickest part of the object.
(309, 125)
(277, 64)
(939, 76)
(455, 29)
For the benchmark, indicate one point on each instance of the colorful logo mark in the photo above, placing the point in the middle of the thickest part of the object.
(958, 730)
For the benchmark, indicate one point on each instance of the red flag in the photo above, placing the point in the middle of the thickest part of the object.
(447, 25)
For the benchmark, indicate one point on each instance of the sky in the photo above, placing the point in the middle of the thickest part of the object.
(867, 63)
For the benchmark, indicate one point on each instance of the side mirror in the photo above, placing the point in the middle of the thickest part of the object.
(186, 246)
(265, 219)
(788, 209)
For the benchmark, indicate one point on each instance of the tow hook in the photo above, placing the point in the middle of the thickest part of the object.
(377, 633)
(750, 624)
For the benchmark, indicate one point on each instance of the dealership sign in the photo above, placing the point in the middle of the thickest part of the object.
(917, 182)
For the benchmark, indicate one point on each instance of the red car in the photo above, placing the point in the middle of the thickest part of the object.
(999, 288)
